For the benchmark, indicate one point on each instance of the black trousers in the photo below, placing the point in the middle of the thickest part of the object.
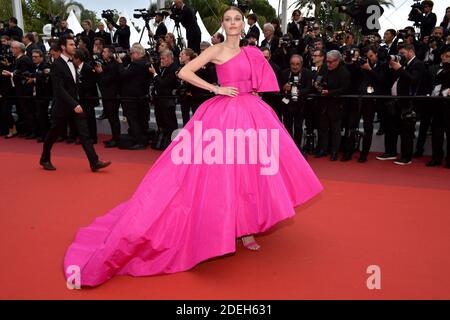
(6, 118)
(440, 126)
(166, 118)
(193, 42)
(58, 125)
(330, 126)
(350, 122)
(425, 114)
(137, 114)
(43, 118)
(186, 107)
(26, 111)
(111, 110)
(89, 111)
(397, 126)
(368, 110)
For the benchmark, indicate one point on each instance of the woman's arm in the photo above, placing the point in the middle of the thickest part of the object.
(187, 73)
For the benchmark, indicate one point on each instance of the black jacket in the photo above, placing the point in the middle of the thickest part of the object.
(134, 79)
(22, 66)
(165, 82)
(14, 33)
(160, 32)
(375, 78)
(30, 48)
(410, 78)
(187, 17)
(107, 80)
(43, 83)
(305, 86)
(427, 24)
(337, 82)
(106, 36)
(273, 44)
(88, 86)
(296, 29)
(255, 31)
(65, 89)
(122, 35)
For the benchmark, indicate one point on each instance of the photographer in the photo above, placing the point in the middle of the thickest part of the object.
(87, 84)
(408, 72)
(122, 33)
(335, 83)
(295, 28)
(270, 40)
(64, 30)
(441, 110)
(373, 83)
(106, 36)
(350, 116)
(28, 41)
(286, 48)
(14, 32)
(391, 41)
(165, 85)
(42, 93)
(7, 122)
(161, 29)
(186, 15)
(23, 66)
(426, 18)
(253, 28)
(297, 82)
(108, 73)
(134, 80)
(88, 33)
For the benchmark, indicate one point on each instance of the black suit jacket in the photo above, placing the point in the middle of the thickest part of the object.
(427, 24)
(253, 30)
(23, 65)
(189, 21)
(273, 44)
(30, 48)
(105, 36)
(410, 78)
(161, 31)
(165, 84)
(88, 86)
(134, 79)
(107, 80)
(304, 88)
(65, 89)
(294, 30)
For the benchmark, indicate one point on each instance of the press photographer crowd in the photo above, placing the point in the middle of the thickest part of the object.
(330, 78)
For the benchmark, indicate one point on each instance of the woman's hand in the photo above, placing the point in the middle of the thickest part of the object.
(227, 91)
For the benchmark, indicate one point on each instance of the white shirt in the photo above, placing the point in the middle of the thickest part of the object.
(71, 67)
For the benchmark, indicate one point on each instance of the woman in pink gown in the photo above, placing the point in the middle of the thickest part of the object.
(183, 213)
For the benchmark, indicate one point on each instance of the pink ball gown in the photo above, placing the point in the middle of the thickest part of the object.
(185, 213)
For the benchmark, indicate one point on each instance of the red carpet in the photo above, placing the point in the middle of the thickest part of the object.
(369, 214)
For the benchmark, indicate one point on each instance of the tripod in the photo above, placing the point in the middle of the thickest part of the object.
(146, 27)
(179, 43)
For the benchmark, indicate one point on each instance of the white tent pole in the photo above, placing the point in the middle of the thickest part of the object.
(17, 12)
(284, 21)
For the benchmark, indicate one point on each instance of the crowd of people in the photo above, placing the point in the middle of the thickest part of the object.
(315, 65)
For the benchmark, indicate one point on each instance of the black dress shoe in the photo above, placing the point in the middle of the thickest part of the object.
(380, 132)
(136, 147)
(111, 144)
(434, 163)
(418, 154)
(47, 165)
(346, 157)
(362, 158)
(100, 165)
(320, 154)
(334, 156)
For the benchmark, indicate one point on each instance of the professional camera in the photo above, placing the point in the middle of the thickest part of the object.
(97, 58)
(397, 58)
(120, 52)
(152, 56)
(108, 15)
(294, 82)
(6, 58)
(414, 15)
(144, 14)
(321, 83)
(287, 42)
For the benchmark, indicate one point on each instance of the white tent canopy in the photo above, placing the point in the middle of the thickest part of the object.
(73, 23)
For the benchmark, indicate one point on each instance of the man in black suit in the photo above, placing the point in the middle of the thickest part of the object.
(161, 29)
(427, 18)
(122, 33)
(28, 41)
(87, 84)
(106, 36)
(66, 106)
(186, 15)
(400, 115)
(134, 80)
(165, 83)
(253, 28)
(271, 41)
(269, 97)
(296, 26)
(14, 31)
(297, 81)
(108, 73)
(23, 67)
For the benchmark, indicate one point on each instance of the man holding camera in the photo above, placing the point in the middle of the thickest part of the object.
(408, 72)
(161, 29)
(122, 33)
(108, 73)
(373, 83)
(426, 18)
(186, 15)
(441, 109)
(165, 84)
(297, 82)
(295, 27)
(134, 80)
(336, 82)
(42, 93)
(23, 66)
